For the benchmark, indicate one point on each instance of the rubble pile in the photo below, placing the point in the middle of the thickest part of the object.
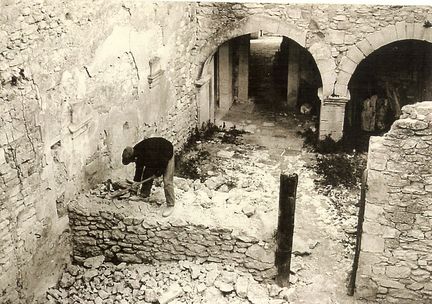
(224, 219)
(98, 282)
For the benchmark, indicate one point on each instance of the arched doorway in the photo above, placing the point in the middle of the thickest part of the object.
(268, 69)
(208, 78)
(392, 76)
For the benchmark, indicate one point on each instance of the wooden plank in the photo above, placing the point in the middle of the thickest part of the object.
(351, 284)
(285, 230)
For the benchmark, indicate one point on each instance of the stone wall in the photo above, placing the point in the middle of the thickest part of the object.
(80, 80)
(140, 237)
(396, 256)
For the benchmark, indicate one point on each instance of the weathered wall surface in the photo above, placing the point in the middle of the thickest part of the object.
(396, 259)
(143, 238)
(74, 91)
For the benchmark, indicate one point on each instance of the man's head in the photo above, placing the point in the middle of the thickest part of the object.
(127, 155)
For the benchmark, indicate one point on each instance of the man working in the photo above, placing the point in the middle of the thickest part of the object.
(153, 156)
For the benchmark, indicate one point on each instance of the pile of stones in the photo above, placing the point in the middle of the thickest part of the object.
(97, 282)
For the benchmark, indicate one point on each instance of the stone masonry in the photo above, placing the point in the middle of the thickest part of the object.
(396, 256)
(79, 80)
(132, 236)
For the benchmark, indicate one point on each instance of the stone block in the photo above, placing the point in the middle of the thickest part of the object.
(377, 161)
(390, 283)
(343, 78)
(372, 227)
(398, 271)
(410, 30)
(347, 65)
(419, 31)
(390, 233)
(2, 157)
(389, 32)
(365, 47)
(355, 54)
(401, 30)
(376, 40)
(341, 89)
(372, 243)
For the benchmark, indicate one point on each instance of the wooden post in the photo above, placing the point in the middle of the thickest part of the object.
(351, 284)
(285, 229)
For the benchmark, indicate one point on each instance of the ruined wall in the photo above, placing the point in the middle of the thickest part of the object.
(139, 237)
(74, 90)
(396, 259)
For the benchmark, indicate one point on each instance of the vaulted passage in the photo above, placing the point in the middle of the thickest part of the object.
(267, 70)
(391, 77)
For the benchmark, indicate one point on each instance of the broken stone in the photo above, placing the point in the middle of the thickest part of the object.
(213, 295)
(67, 280)
(150, 295)
(248, 210)
(103, 294)
(98, 300)
(89, 274)
(257, 294)
(195, 271)
(241, 286)
(174, 291)
(224, 287)
(211, 277)
(225, 154)
(94, 262)
(223, 188)
(274, 290)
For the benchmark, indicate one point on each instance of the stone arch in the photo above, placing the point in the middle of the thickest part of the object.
(359, 51)
(320, 51)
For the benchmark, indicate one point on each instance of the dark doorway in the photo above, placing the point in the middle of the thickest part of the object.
(393, 76)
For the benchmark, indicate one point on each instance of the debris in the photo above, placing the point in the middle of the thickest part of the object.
(94, 262)
(174, 291)
(225, 154)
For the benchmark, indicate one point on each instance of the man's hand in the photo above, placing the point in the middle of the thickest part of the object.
(135, 187)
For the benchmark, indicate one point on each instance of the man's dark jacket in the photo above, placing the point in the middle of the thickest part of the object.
(152, 153)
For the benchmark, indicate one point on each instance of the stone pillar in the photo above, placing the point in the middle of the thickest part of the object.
(225, 77)
(205, 94)
(293, 74)
(332, 116)
(243, 70)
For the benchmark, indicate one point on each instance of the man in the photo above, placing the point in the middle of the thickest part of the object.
(153, 156)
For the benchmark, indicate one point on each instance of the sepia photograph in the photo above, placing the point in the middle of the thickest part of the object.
(215, 152)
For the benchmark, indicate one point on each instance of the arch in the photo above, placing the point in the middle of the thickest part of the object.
(320, 51)
(359, 51)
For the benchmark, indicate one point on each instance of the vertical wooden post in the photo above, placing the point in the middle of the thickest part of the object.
(351, 284)
(285, 229)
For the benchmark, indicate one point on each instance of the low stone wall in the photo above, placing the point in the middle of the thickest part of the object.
(136, 234)
(396, 254)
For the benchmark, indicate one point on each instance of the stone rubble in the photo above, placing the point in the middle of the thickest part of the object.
(163, 283)
(250, 197)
